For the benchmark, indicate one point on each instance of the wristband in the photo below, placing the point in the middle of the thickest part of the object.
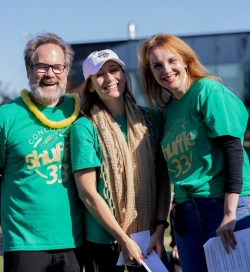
(163, 222)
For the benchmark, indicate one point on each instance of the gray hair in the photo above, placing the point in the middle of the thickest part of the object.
(32, 45)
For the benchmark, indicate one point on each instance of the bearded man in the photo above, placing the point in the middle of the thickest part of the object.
(41, 213)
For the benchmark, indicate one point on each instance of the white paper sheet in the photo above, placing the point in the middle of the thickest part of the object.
(152, 263)
(238, 260)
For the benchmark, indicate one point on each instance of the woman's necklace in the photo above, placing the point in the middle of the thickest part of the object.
(53, 124)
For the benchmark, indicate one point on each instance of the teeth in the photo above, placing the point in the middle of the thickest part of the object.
(111, 87)
(49, 84)
(169, 78)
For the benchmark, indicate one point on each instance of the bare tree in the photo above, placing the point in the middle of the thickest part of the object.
(5, 94)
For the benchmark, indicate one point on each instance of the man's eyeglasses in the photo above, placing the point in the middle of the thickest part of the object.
(43, 68)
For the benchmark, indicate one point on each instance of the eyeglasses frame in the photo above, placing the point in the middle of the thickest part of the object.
(35, 64)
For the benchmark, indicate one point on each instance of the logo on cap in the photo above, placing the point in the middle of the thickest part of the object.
(103, 54)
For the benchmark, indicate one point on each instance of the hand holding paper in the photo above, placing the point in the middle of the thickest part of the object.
(152, 263)
(237, 260)
(131, 251)
(156, 242)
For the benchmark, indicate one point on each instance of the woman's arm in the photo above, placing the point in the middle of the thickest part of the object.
(233, 158)
(163, 204)
(226, 228)
(86, 185)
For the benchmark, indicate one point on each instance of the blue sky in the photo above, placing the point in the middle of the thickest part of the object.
(79, 21)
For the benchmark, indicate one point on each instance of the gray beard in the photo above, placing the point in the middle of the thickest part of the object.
(49, 96)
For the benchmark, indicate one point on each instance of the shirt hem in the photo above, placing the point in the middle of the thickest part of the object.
(42, 248)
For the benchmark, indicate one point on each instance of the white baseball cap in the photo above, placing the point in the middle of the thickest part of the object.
(93, 63)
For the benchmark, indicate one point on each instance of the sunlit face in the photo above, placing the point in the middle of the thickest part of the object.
(169, 70)
(108, 82)
(46, 88)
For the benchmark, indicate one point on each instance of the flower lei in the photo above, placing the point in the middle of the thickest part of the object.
(53, 124)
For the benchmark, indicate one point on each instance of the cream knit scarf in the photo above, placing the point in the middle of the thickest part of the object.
(128, 170)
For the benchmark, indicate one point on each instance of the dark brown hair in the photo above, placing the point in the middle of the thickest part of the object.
(91, 98)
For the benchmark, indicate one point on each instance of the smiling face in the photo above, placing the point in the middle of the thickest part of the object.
(46, 88)
(169, 70)
(108, 82)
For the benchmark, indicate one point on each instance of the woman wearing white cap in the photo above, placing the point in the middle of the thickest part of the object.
(117, 164)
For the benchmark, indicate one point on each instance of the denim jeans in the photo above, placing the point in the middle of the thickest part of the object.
(196, 222)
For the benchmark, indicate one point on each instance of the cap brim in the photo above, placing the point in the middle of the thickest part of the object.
(97, 68)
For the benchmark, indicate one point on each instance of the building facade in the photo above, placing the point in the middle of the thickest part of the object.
(225, 55)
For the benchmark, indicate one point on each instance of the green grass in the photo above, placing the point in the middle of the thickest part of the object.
(167, 235)
(167, 231)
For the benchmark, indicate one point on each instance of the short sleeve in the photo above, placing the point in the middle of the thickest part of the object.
(223, 113)
(83, 145)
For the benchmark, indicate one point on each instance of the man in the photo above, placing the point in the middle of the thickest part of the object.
(41, 213)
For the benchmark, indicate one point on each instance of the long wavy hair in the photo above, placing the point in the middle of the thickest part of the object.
(92, 98)
(152, 90)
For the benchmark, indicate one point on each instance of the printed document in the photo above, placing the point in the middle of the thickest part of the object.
(238, 260)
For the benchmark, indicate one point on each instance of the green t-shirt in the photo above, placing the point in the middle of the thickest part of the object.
(85, 153)
(195, 161)
(40, 206)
